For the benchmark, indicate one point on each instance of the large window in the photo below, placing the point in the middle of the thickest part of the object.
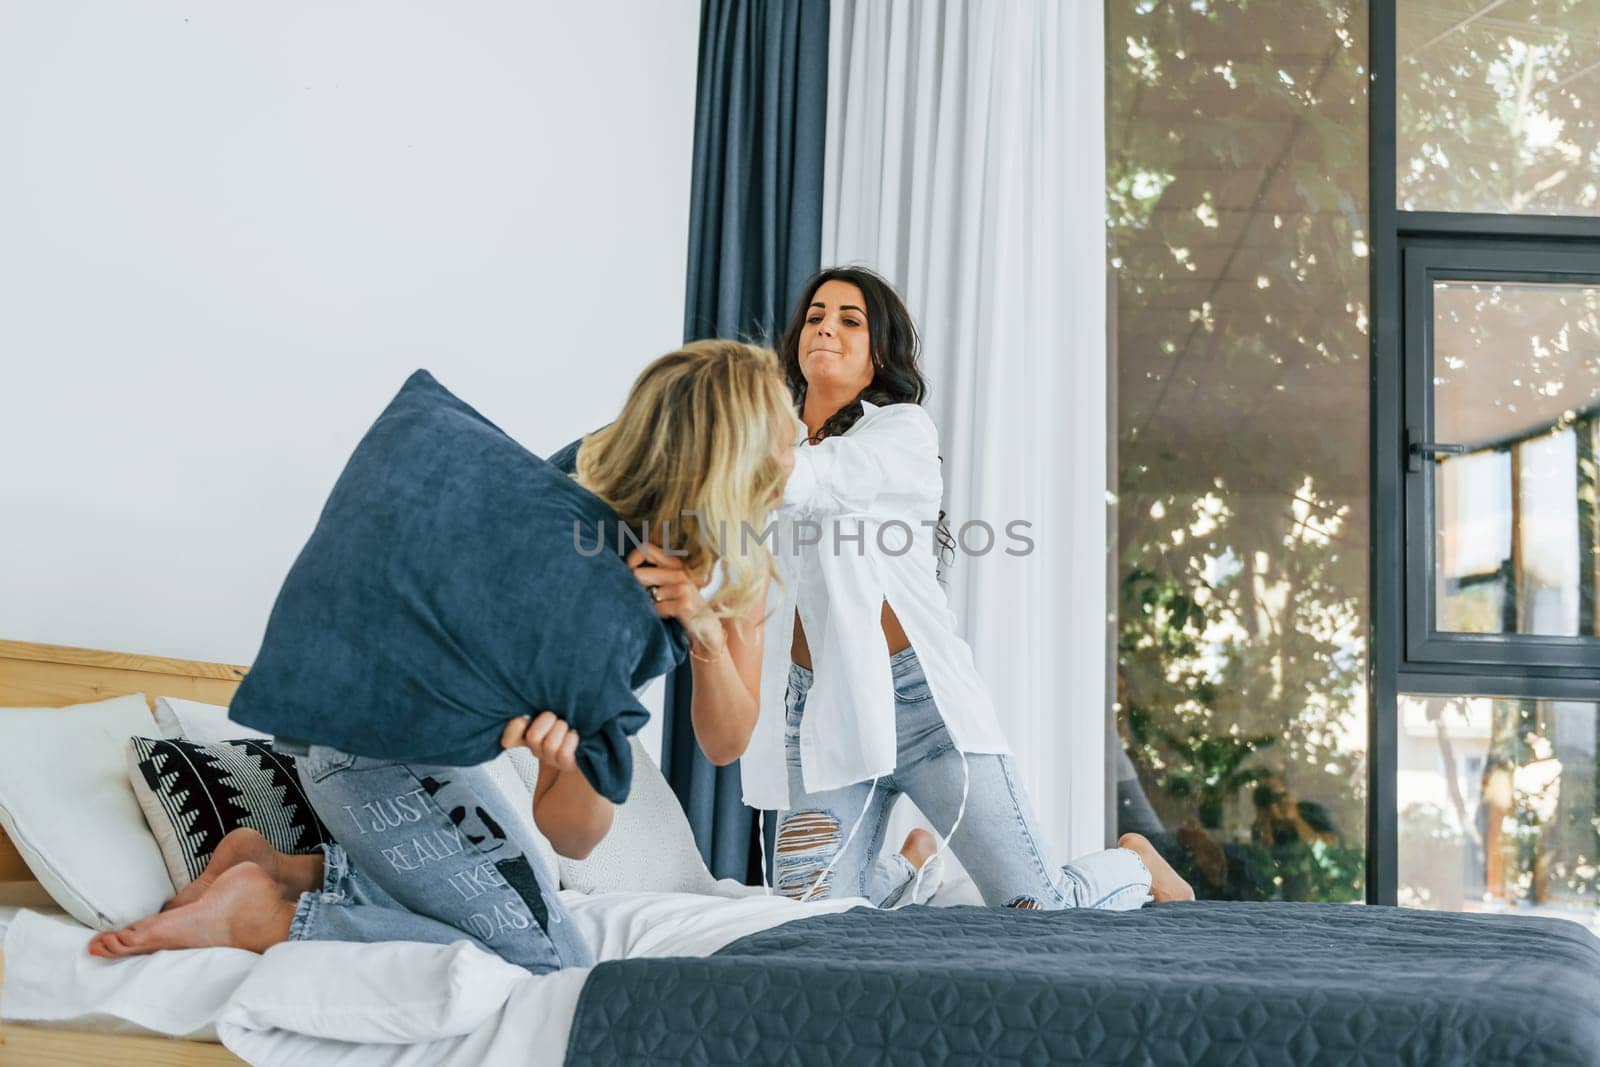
(1237, 199)
(1358, 535)
(1486, 296)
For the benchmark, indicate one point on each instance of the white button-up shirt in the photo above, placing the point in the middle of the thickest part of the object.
(856, 530)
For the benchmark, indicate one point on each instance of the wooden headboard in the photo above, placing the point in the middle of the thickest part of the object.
(52, 676)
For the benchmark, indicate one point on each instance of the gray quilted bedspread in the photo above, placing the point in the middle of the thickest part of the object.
(1209, 983)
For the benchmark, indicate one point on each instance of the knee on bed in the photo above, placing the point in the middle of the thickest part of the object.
(807, 841)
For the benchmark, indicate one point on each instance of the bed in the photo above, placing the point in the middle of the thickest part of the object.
(728, 975)
(35, 675)
(455, 1005)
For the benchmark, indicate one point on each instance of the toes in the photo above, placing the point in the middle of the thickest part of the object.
(107, 945)
(129, 940)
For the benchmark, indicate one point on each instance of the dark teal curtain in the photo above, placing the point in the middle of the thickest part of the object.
(755, 235)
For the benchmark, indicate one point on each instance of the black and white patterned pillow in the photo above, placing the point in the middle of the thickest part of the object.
(193, 794)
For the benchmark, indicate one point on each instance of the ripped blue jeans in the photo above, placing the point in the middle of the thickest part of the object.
(998, 840)
(429, 854)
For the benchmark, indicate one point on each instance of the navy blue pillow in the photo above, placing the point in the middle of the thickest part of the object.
(444, 592)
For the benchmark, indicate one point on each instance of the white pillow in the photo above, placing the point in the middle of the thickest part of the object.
(204, 724)
(207, 724)
(66, 804)
(526, 766)
(650, 847)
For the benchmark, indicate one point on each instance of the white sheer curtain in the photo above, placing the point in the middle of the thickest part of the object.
(966, 163)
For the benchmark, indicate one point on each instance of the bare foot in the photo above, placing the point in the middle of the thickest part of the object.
(919, 848)
(241, 909)
(1165, 884)
(294, 874)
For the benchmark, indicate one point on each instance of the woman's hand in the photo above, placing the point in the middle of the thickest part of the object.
(566, 809)
(552, 742)
(676, 595)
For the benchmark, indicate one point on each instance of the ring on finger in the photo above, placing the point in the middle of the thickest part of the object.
(655, 594)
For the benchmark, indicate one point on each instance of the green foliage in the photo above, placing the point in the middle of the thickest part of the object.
(1500, 118)
(1236, 200)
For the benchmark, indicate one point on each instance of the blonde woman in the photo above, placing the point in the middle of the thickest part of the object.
(705, 441)
(725, 632)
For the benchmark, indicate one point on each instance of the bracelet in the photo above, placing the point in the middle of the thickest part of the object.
(707, 659)
(696, 655)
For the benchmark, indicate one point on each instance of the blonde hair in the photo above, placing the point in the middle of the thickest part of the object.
(692, 461)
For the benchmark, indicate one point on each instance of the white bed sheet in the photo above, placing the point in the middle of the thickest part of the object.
(392, 1003)
(97, 1023)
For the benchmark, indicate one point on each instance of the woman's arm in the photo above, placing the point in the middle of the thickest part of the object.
(566, 808)
(727, 686)
(897, 451)
(570, 814)
(725, 655)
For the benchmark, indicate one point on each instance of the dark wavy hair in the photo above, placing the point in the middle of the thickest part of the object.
(896, 377)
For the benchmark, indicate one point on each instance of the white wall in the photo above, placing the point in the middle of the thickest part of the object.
(229, 230)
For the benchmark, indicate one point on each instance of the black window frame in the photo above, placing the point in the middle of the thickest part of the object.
(1425, 262)
(1399, 662)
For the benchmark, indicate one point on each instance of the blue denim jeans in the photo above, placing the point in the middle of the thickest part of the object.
(431, 854)
(998, 840)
